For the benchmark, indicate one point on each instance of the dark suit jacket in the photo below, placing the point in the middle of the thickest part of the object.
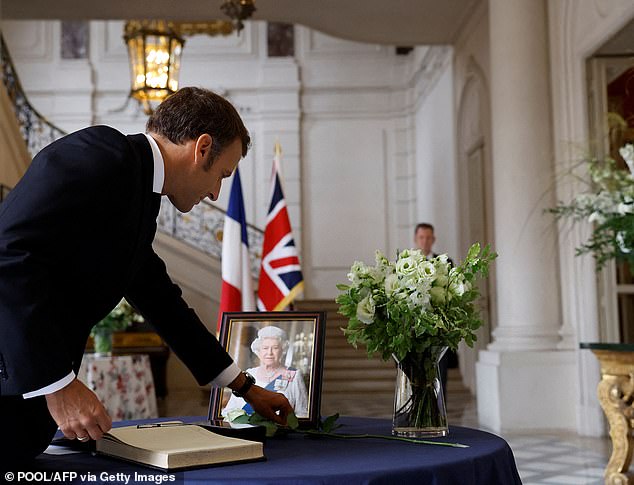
(75, 237)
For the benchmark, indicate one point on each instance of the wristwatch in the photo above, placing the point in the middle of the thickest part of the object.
(250, 380)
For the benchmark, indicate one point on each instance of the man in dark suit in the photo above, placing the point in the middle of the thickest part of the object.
(75, 237)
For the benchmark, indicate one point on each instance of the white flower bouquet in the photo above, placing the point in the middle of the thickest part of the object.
(414, 303)
(609, 205)
(413, 309)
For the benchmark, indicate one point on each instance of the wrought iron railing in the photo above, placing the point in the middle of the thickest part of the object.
(201, 228)
(36, 130)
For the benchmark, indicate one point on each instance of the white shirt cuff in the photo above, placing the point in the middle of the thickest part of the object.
(51, 388)
(227, 376)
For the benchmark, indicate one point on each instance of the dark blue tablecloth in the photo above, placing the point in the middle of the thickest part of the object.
(296, 459)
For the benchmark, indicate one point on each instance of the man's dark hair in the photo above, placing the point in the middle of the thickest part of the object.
(191, 112)
(423, 225)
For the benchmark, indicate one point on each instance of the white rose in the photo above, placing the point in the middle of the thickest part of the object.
(365, 310)
(626, 207)
(392, 284)
(418, 300)
(627, 152)
(375, 274)
(457, 288)
(620, 239)
(426, 269)
(380, 259)
(235, 413)
(442, 264)
(596, 217)
(406, 266)
(357, 271)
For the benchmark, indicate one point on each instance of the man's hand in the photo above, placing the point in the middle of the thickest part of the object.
(268, 404)
(78, 412)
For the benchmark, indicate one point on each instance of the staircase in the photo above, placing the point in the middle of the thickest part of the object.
(352, 383)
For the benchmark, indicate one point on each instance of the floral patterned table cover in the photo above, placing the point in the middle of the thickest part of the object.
(123, 383)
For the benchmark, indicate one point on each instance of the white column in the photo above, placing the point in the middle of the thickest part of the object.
(523, 178)
(522, 377)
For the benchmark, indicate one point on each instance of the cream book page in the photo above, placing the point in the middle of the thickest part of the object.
(174, 439)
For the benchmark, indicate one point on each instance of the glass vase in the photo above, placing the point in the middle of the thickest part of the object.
(103, 342)
(419, 403)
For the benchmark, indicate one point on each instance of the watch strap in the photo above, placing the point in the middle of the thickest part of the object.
(249, 381)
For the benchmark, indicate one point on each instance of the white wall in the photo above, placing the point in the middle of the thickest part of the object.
(346, 126)
(436, 164)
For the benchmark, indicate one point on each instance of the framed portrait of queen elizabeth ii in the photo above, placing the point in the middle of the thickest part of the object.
(283, 351)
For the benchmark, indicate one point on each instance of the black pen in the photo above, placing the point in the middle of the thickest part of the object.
(160, 425)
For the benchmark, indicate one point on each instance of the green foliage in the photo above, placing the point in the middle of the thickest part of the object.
(414, 303)
(272, 428)
(120, 318)
(329, 424)
(324, 429)
(608, 204)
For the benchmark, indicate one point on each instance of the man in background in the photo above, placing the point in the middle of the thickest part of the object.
(424, 239)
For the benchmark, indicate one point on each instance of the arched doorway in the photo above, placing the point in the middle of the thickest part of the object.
(475, 204)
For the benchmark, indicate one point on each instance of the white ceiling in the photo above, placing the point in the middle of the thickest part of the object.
(394, 22)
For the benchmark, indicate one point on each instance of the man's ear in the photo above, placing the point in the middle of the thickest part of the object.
(203, 148)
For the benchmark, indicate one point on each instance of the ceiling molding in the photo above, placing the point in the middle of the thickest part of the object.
(393, 22)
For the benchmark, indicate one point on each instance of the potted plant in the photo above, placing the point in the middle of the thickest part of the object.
(120, 318)
(608, 204)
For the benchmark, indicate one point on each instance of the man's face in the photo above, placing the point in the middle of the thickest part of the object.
(424, 240)
(201, 182)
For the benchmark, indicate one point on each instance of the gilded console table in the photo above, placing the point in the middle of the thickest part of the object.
(616, 395)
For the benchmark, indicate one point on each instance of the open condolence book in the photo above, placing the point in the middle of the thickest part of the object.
(173, 445)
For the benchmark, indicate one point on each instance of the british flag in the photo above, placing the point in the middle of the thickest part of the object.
(281, 277)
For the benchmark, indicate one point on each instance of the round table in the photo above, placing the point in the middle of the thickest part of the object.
(298, 459)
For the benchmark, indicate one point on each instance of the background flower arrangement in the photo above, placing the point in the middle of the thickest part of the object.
(609, 205)
(119, 318)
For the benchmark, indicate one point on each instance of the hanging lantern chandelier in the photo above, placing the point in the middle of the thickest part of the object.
(154, 48)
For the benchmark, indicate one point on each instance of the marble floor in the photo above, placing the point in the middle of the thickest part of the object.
(542, 458)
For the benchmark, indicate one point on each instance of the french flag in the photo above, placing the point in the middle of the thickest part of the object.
(237, 286)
